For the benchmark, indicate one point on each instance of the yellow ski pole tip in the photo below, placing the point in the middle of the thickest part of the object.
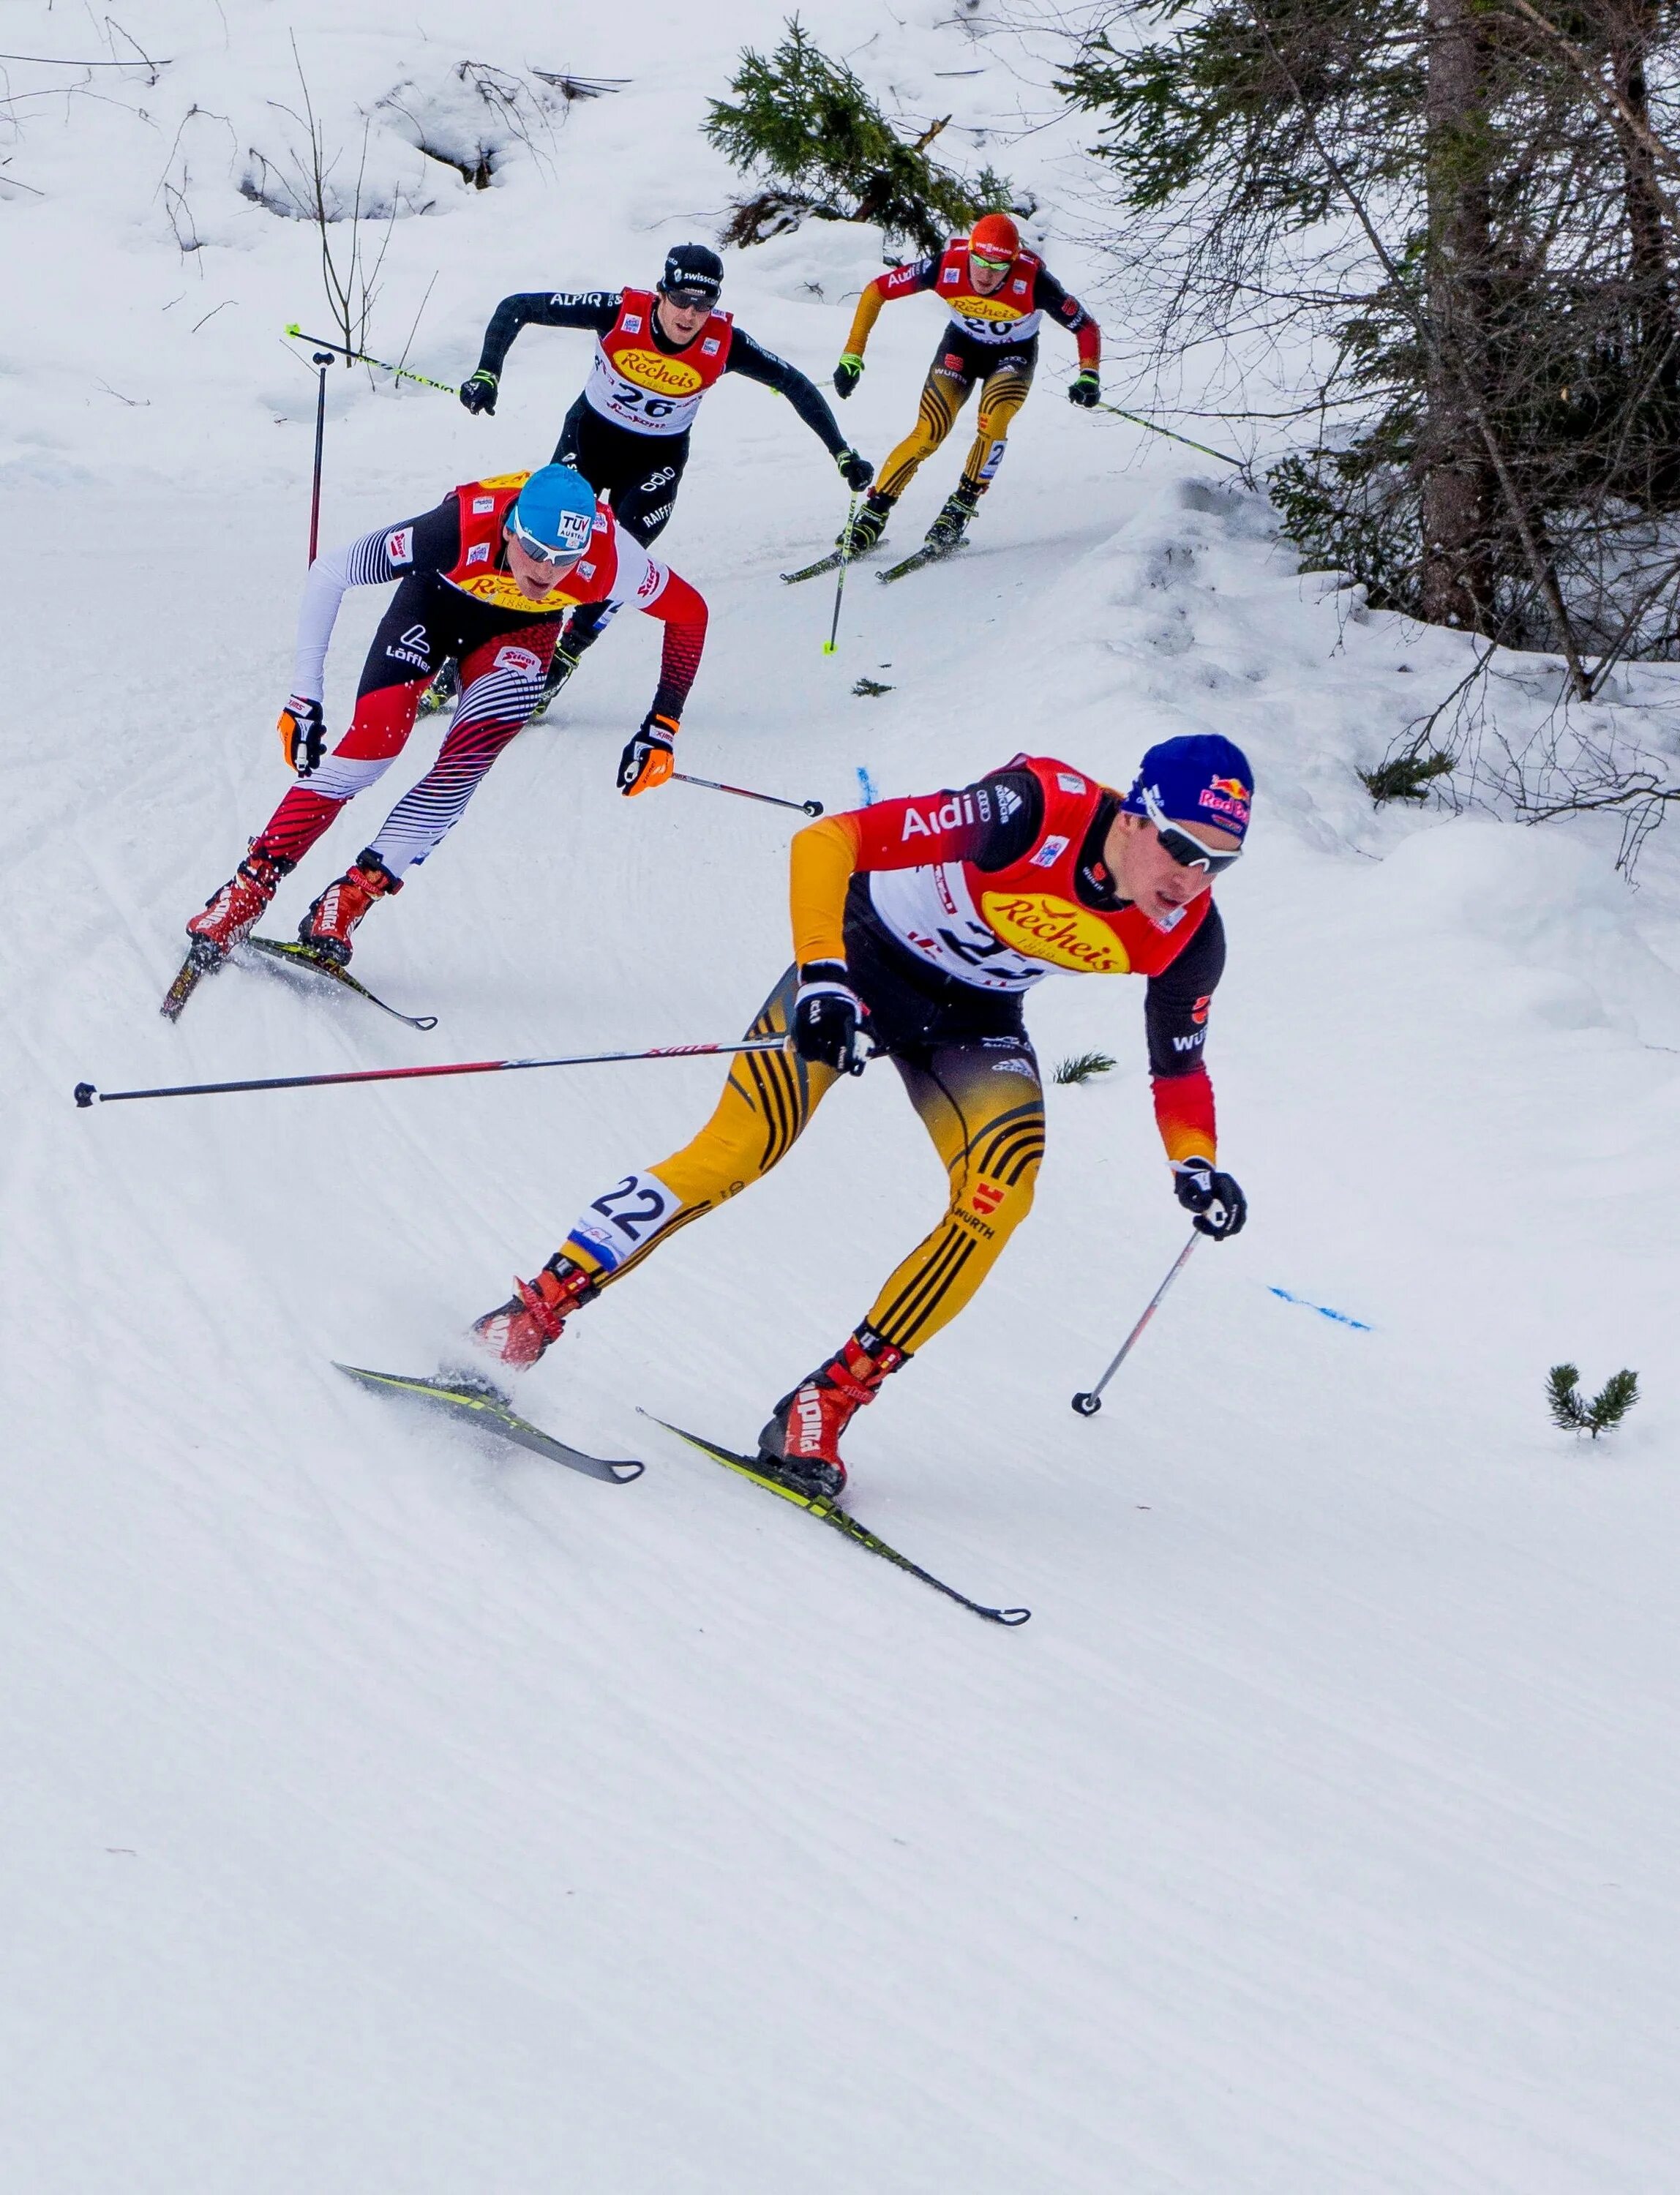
(293, 329)
(829, 649)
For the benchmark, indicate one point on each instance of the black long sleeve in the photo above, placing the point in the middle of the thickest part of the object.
(757, 363)
(593, 309)
(1175, 1004)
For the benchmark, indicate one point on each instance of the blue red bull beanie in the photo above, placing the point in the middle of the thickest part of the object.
(1197, 778)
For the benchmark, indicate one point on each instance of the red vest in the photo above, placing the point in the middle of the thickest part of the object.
(1034, 904)
(636, 385)
(1008, 315)
(1005, 929)
(484, 506)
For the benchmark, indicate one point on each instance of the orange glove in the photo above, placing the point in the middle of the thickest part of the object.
(303, 735)
(649, 759)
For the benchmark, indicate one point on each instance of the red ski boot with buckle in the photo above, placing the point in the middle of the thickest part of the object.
(325, 929)
(518, 1331)
(231, 913)
(799, 1448)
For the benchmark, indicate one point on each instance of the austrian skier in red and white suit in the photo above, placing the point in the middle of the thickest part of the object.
(486, 577)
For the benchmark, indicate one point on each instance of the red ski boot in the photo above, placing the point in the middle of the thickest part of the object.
(518, 1331)
(325, 929)
(231, 913)
(801, 1445)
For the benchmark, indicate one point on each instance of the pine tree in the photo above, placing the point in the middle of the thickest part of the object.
(809, 127)
(1612, 1404)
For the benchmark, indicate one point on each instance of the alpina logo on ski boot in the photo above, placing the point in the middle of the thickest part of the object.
(648, 370)
(809, 1412)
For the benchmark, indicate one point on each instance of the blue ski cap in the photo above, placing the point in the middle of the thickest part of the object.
(1200, 778)
(556, 511)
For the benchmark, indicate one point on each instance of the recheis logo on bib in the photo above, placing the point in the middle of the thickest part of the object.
(975, 308)
(649, 369)
(1046, 928)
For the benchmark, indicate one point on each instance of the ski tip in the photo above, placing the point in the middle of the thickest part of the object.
(1010, 1618)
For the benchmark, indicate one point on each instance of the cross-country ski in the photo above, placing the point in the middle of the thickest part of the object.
(846, 1524)
(291, 955)
(475, 1404)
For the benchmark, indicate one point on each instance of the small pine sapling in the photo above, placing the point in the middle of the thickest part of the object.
(808, 128)
(1607, 1408)
(1084, 1067)
(1407, 776)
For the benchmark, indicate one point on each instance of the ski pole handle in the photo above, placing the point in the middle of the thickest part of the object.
(86, 1094)
(1090, 1402)
(740, 792)
(361, 358)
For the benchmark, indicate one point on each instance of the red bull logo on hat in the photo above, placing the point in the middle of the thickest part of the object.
(1228, 797)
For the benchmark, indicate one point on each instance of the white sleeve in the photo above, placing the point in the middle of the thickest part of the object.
(368, 562)
(640, 578)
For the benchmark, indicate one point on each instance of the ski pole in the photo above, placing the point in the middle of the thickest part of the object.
(829, 645)
(360, 358)
(1138, 420)
(86, 1093)
(740, 792)
(1088, 1404)
(322, 359)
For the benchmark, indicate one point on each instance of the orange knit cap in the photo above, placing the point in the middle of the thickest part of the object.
(995, 235)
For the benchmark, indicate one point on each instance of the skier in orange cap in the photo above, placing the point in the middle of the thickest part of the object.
(996, 294)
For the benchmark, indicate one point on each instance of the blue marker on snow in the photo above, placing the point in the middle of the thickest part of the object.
(1341, 1317)
(866, 786)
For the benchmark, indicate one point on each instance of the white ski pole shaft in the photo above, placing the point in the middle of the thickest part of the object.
(1090, 1402)
(745, 793)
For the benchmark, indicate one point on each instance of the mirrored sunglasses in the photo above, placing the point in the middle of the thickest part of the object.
(1188, 852)
(539, 551)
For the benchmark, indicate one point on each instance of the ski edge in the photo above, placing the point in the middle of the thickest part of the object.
(846, 1524)
(448, 1394)
(191, 973)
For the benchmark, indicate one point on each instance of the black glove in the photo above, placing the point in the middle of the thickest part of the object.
(827, 1015)
(478, 392)
(857, 472)
(1219, 1205)
(1083, 392)
(303, 735)
(848, 373)
(650, 758)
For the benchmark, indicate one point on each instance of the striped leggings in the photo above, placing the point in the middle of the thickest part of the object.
(980, 1101)
(502, 665)
(1003, 390)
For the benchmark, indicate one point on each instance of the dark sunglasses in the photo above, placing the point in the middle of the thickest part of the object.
(1189, 853)
(691, 299)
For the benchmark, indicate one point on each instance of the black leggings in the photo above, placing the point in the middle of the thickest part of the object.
(639, 475)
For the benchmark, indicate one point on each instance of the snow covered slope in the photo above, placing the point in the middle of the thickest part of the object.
(383, 1814)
